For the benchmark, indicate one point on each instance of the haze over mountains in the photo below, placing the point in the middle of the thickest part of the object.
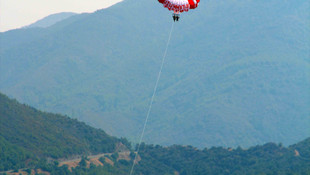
(237, 72)
(51, 20)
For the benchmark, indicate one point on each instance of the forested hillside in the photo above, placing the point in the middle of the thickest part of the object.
(33, 140)
(27, 135)
(236, 71)
(187, 160)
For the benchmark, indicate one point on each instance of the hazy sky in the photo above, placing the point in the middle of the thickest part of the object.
(18, 13)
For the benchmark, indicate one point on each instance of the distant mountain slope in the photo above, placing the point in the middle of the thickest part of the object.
(29, 133)
(236, 71)
(25, 36)
(51, 20)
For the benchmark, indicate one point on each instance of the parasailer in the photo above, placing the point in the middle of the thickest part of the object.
(179, 6)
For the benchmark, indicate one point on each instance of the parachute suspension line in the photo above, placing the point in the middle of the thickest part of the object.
(152, 100)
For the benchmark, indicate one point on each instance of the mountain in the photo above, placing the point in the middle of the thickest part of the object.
(24, 36)
(33, 141)
(236, 71)
(28, 34)
(27, 134)
(51, 20)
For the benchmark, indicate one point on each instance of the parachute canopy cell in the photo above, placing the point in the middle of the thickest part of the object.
(180, 5)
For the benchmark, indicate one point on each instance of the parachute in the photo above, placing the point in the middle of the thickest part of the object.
(179, 6)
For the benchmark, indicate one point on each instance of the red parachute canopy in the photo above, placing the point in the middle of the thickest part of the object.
(180, 5)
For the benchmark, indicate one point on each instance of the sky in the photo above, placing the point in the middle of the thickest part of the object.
(18, 13)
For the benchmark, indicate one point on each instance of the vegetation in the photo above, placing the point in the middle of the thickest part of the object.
(267, 159)
(244, 80)
(29, 134)
(30, 138)
(12, 156)
(84, 169)
(262, 160)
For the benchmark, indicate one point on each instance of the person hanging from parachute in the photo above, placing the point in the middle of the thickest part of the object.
(179, 6)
